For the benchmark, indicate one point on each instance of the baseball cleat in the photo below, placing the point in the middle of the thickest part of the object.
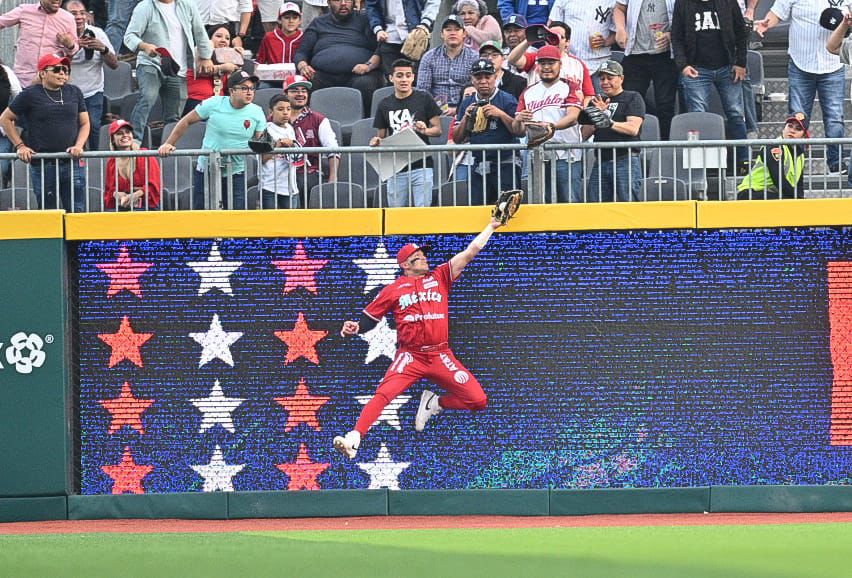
(348, 444)
(429, 406)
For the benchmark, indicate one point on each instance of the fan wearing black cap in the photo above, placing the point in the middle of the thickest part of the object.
(812, 69)
(486, 117)
(231, 122)
(776, 172)
(418, 300)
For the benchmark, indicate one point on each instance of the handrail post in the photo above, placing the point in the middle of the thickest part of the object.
(214, 181)
(536, 176)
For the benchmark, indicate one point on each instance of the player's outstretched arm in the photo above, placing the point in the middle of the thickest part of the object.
(461, 260)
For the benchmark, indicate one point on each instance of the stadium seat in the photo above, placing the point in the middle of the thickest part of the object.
(191, 139)
(378, 97)
(337, 195)
(362, 132)
(339, 103)
(17, 199)
(264, 95)
(663, 189)
(118, 83)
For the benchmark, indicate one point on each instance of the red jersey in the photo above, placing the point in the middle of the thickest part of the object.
(420, 308)
(276, 48)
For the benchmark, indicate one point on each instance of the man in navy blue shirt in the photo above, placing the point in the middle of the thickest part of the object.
(485, 117)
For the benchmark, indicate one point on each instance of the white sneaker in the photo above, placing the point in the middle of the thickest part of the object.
(429, 406)
(348, 444)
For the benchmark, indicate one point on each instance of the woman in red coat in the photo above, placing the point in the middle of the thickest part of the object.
(142, 172)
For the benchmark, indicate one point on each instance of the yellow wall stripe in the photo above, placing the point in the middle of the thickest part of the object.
(778, 213)
(208, 224)
(31, 224)
(533, 218)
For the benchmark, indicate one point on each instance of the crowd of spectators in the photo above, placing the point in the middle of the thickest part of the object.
(549, 62)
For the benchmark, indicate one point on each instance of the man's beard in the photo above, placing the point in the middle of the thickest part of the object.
(342, 18)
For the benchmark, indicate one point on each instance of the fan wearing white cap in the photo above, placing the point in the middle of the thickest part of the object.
(280, 44)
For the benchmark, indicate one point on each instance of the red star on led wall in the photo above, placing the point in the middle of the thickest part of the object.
(126, 410)
(300, 271)
(127, 476)
(303, 472)
(124, 274)
(301, 341)
(302, 407)
(125, 343)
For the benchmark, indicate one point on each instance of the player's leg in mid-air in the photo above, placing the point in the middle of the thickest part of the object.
(463, 389)
(402, 373)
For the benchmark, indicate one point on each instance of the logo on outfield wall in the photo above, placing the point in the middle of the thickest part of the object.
(25, 351)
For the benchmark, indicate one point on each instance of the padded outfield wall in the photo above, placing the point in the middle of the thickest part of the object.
(649, 346)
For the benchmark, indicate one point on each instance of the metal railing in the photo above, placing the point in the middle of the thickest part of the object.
(448, 175)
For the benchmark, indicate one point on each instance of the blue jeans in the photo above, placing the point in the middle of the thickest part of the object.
(749, 105)
(569, 181)
(506, 177)
(420, 183)
(5, 165)
(153, 83)
(272, 200)
(95, 107)
(57, 175)
(118, 16)
(696, 92)
(625, 173)
(831, 89)
(199, 185)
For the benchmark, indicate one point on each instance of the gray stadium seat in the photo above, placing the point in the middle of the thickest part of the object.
(118, 83)
(339, 103)
(264, 95)
(362, 132)
(191, 139)
(663, 189)
(378, 97)
(337, 195)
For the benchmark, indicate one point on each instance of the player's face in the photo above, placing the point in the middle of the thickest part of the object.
(548, 70)
(417, 264)
(402, 79)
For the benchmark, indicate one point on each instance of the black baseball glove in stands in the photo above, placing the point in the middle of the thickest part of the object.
(596, 117)
(538, 133)
(263, 144)
(507, 205)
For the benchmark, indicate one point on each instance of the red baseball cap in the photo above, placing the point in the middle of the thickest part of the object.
(549, 52)
(408, 250)
(117, 125)
(295, 81)
(53, 60)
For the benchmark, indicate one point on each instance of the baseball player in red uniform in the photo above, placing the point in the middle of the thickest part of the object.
(418, 300)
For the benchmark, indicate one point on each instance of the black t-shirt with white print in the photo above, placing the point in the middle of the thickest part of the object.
(395, 114)
(708, 36)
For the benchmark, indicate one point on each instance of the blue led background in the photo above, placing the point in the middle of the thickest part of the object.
(611, 359)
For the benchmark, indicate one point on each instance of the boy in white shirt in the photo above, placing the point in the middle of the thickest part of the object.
(277, 175)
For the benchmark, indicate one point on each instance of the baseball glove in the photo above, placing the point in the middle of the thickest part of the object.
(263, 144)
(597, 117)
(417, 43)
(507, 205)
(538, 133)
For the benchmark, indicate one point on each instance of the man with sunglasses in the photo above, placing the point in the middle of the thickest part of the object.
(231, 122)
(419, 302)
(54, 113)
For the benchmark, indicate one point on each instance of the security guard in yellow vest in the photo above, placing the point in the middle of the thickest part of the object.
(776, 172)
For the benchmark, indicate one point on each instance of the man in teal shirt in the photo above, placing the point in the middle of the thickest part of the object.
(231, 122)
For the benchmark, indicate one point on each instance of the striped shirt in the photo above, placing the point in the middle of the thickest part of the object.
(807, 39)
(585, 19)
(573, 71)
(444, 77)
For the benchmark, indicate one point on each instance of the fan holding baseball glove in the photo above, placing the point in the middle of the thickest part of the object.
(547, 112)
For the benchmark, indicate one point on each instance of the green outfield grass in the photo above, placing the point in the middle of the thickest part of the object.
(779, 551)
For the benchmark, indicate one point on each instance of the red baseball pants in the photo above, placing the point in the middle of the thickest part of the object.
(439, 367)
